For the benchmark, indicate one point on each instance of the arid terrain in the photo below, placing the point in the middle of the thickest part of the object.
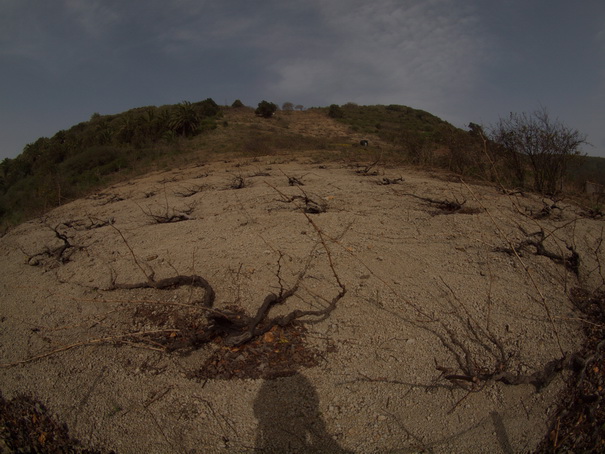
(448, 303)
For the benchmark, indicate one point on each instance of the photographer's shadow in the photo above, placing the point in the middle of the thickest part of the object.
(289, 418)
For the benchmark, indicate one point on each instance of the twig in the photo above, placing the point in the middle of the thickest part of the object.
(136, 261)
(525, 267)
(100, 340)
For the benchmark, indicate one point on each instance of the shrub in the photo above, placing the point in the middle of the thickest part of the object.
(547, 144)
(265, 109)
(335, 111)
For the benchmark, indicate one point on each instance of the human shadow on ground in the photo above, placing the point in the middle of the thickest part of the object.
(290, 419)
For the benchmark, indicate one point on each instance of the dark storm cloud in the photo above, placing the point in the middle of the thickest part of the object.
(463, 60)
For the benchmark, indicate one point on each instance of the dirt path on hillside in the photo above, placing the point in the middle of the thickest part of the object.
(435, 300)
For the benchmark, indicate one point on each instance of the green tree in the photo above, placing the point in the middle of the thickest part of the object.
(185, 119)
(125, 131)
(335, 111)
(237, 104)
(207, 108)
(266, 109)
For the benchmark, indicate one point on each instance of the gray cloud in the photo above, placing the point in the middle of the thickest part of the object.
(459, 59)
(95, 17)
(388, 51)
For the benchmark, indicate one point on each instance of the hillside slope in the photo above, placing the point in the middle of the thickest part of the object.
(431, 306)
(107, 148)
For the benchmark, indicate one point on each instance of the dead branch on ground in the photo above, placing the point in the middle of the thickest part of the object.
(593, 213)
(481, 357)
(238, 182)
(168, 215)
(61, 253)
(367, 170)
(293, 181)
(260, 173)
(302, 202)
(236, 328)
(548, 210)
(204, 323)
(172, 283)
(105, 198)
(387, 181)
(81, 224)
(189, 191)
(444, 205)
(536, 241)
(528, 271)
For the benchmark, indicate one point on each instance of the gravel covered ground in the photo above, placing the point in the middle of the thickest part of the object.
(436, 312)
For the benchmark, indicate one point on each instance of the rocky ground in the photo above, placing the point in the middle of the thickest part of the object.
(435, 311)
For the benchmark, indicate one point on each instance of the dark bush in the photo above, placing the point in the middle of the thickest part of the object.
(266, 109)
(335, 111)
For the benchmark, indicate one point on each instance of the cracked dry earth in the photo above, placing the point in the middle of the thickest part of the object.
(428, 291)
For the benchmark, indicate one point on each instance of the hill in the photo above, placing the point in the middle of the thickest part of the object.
(93, 153)
(252, 298)
(108, 148)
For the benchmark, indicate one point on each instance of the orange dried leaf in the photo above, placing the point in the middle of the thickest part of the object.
(269, 337)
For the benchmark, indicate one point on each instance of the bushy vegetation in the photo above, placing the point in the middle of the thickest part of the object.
(524, 151)
(422, 138)
(545, 143)
(389, 122)
(53, 170)
(266, 109)
(587, 168)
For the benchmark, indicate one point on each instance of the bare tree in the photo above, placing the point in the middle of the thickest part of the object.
(287, 106)
(548, 145)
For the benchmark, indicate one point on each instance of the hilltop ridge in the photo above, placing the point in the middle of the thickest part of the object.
(108, 148)
(71, 163)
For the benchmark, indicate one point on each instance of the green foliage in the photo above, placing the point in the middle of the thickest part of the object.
(334, 111)
(71, 163)
(53, 170)
(208, 108)
(265, 109)
(393, 120)
(237, 103)
(185, 119)
(422, 138)
(587, 168)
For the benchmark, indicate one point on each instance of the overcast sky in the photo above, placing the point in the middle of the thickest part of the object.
(462, 60)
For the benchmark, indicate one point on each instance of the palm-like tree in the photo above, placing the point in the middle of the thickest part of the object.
(185, 119)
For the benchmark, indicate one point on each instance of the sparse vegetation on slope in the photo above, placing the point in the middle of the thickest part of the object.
(53, 170)
(74, 162)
